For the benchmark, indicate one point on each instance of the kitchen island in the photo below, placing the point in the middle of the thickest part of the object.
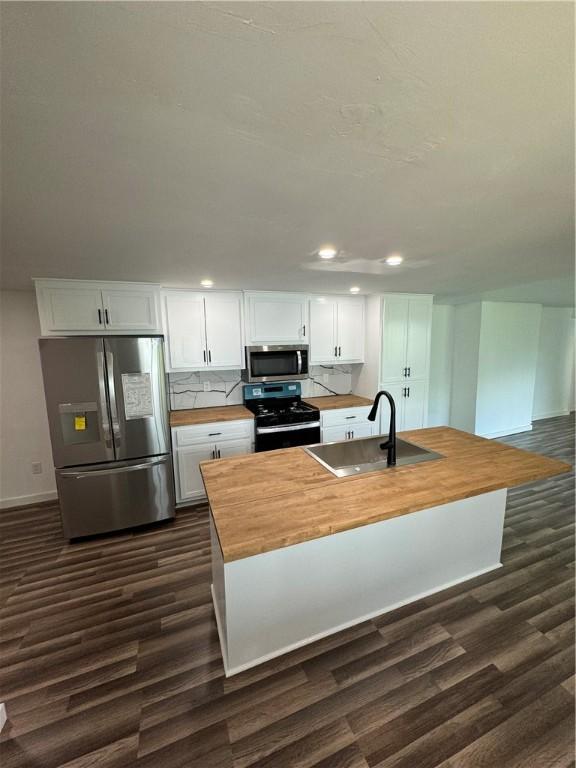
(298, 553)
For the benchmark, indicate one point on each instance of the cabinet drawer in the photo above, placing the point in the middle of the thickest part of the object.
(214, 432)
(343, 416)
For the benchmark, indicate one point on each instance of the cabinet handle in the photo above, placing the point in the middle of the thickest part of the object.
(99, 317)
(107, 316)
(213, 453)
(408, 391)
(405, 372)
(352, 433)
(350, 417)
(213, 434)
(304, 330)
(204, 353)
(335, 351)
(219, 454)
(339, 351)
(408, 372)
(404, 391)
(209, 355)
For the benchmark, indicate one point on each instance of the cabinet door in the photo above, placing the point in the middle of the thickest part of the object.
(229, 448)
(71, 309)
(131, 310)
(335, 434)
(418, 337)
(394, 334)
(396, 390)
(364, 429)
(277, 318)
(224, 330)
(415, 405)
(189, 484)
(185, 331)
(323, 328)
(351, 330)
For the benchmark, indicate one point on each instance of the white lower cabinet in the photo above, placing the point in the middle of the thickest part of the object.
(189, 484)
(204, 442)
(411, 398)
(346, 424)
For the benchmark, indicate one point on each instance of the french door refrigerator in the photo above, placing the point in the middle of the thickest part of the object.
(108, 417)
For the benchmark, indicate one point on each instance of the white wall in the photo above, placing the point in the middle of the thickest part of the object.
(467, 319)
(24, 435)
(441, 353)
(554, 371)
(507, 367)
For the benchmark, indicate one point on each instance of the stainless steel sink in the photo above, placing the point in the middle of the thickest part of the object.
(355, 457)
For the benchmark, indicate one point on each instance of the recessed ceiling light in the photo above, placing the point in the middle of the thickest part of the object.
(354, 289)
(327, 252)
(207, 283)
(394, 260)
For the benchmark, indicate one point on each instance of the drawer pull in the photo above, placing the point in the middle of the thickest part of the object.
(351, 417)
(213, 434)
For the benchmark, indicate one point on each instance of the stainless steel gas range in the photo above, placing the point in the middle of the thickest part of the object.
(283, 420)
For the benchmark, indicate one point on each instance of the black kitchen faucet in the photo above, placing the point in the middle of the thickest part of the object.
(390, 444)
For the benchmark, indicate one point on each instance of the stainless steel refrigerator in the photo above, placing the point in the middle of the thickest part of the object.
(108, 416)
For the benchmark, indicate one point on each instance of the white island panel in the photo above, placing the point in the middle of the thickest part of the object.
(269, 604)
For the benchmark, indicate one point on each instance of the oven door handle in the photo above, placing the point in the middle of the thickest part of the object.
(287, 428)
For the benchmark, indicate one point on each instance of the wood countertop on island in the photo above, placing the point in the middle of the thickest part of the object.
(266, 501)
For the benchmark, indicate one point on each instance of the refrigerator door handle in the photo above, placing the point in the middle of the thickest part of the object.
(112, 395)
(114, 470)
(105, 423)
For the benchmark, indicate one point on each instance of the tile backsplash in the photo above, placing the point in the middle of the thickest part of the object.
(225, 387)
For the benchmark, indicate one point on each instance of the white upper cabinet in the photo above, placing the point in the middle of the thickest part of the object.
(337, 329)
(276, 318)
(351, 328)
(323, 330)
(418, 338)
(184, 328)
(65, 309)
(406, 325)
(224, 330)
(85, 307)
(203, 330)
(127, 310)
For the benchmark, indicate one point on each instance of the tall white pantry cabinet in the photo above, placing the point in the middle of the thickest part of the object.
(398, 356)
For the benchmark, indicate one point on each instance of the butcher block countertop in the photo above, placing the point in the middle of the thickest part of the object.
(330, 402)
(194, 416)
(265, 501)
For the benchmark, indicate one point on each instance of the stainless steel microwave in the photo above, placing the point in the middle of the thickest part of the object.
(278, 362)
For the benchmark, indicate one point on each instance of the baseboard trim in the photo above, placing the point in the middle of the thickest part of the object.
(550, 415)
(229, 671)
(506, 432)
(31, 500)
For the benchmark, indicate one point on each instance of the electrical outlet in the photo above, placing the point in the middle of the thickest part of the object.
(36, 467)
(207, 386)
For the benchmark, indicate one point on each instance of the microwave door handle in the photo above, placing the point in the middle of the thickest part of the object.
(112, 396)
(299, 358)
(105, 421)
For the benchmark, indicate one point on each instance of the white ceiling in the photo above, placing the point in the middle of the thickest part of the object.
(174, 141)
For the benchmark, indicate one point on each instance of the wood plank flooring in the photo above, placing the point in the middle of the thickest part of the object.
(111, 657)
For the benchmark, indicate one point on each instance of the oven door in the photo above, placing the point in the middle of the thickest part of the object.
(287, 436)
(278, 363)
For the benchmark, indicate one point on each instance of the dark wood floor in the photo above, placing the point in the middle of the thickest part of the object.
(111, 656)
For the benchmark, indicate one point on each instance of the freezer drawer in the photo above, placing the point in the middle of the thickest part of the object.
(110, 497)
